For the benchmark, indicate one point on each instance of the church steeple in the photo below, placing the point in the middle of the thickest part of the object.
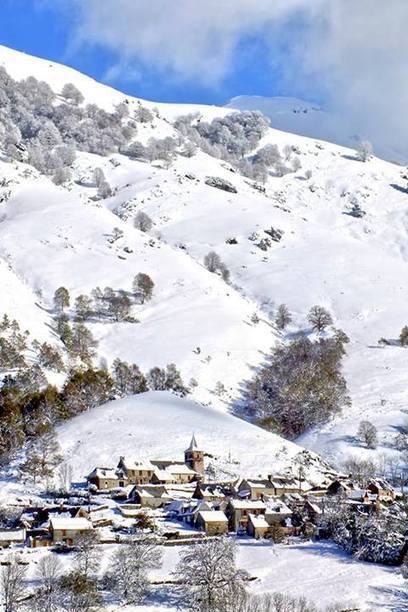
(194, 457)
(193, 444)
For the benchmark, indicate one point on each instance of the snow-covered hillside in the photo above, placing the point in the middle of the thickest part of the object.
(52, 236)
(135, 427)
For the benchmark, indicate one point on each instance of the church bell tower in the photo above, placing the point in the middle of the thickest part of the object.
(194, 457)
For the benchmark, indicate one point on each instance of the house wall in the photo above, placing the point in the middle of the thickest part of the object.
(69, 536)
(106, 483)
(213, 528)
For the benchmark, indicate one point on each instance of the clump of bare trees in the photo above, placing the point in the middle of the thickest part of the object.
(209, 578)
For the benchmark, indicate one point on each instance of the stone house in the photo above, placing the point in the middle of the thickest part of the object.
(150, 496)
(67, 530)
(213, 491)
(238, 511)
(136, 472)
(213, 522)
(256, 488)
(257, 526)
(9, 537)
(107, 478)
(282, 485)
(277, 513)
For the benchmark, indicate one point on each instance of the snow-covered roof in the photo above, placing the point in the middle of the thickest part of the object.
(133, 463)
(163, 475)
(176, 468)
(277, 506)
(103, 472)
(213, 516)
(79, 523)
(258, 520)
(260, 484)
(12, 535)
(247, 504)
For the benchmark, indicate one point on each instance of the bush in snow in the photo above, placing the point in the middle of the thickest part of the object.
(61, 176)
(213, 263)
(72, 93)
(364, 150)
(134, 150)
(142, 221)
(104, 190)
(219, 183)
(403, 337)
(367, 432)
(143, 115)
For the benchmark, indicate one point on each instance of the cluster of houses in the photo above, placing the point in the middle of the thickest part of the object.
(159, 494)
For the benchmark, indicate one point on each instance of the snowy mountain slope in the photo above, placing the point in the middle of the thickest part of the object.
(67, 241)
(356, 267)
(20, 66)
(132, 426)
(309, 119)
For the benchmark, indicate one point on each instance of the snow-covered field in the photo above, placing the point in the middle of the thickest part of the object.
(318, 571)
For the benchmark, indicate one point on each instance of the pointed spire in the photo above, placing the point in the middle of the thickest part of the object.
(193, 444)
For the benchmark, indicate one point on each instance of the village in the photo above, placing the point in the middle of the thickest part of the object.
(174, 499)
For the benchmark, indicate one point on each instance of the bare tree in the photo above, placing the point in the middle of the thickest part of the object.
(367, 432)
(282, 317)
(319, 318)
(212, 261)
(49, 570)
(128, 571)
(65, 475)
(42, 457)
(61, 299)
(12, 584)
(143, 286)
(88, 555)
(209, 577)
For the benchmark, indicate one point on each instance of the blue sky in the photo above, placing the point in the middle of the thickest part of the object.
(350, 56)
(41, 28)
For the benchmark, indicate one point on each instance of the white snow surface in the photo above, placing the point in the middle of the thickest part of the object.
(52, 236)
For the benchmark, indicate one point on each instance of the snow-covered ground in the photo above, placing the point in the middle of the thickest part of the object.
(318, 571)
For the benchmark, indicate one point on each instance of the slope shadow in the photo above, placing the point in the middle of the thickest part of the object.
(399, 188)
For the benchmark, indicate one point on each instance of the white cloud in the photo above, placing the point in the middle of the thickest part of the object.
(354, 50)
(190, 39)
